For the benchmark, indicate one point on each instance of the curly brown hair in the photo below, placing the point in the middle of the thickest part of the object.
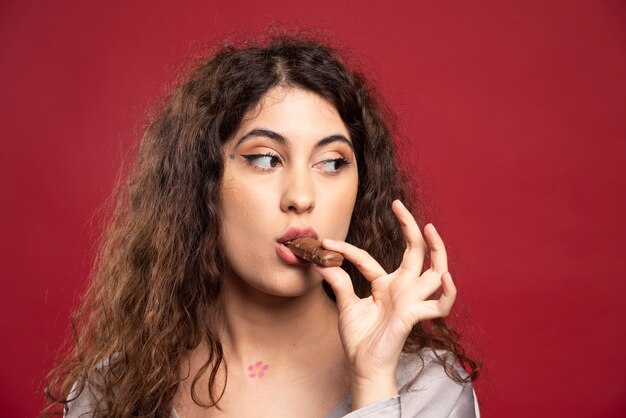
(157, 274)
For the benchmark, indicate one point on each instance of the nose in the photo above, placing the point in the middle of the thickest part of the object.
(298, 192)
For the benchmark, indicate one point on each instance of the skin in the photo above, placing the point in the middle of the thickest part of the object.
(260, 202)
(316, 351)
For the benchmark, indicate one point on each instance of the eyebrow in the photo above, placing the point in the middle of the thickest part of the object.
(281, 139)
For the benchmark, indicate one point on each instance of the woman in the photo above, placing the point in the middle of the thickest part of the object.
(198, 308)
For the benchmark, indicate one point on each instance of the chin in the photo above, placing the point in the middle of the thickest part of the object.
(288, 284)
(274, 280)
(291, 289)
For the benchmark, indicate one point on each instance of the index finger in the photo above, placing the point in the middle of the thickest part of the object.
(361, 259)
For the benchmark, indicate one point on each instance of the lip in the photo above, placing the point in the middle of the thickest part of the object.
(292, 233)
(297, 232)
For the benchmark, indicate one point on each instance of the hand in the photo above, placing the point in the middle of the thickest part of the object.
(373, 330)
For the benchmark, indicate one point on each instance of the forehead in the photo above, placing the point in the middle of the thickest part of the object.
(294, 112)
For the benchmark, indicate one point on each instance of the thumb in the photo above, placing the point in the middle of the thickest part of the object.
(341, 284)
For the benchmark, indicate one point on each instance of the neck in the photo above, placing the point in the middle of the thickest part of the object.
(276, 329)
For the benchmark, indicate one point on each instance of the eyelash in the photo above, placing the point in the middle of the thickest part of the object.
(341, 164)
(251, 158)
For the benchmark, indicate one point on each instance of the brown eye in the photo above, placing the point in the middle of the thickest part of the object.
(333, 166)
(262, 161)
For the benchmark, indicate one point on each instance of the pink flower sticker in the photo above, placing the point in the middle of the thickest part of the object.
(257, 369)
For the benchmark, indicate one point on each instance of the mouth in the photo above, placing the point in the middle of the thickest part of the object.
(292, 233)
(288, 257)
(297, 232)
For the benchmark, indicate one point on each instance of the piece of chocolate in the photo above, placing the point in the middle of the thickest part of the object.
(311, 250)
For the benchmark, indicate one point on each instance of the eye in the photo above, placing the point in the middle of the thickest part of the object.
(262, 161)
(333, 166)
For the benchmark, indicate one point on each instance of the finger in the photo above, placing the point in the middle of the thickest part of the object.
(413, 259)
(427, 284)
(341, 284)
(446, 301)
(431, 309)
(438, 254)
(361, 259)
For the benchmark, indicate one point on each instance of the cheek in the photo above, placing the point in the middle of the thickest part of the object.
(350, 201)
(235, 241)
(243, 225)
(235, 216)
(348, 210)
(339, 205)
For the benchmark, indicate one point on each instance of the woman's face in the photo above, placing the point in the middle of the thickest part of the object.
(290, 171)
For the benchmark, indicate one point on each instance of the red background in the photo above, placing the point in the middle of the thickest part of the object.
(515, 112)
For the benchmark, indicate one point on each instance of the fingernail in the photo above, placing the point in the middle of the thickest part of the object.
(328, 241)
(434, 229)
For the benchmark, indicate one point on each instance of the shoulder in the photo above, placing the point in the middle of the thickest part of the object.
(82, 402)
(85, 399)
(427, 391)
